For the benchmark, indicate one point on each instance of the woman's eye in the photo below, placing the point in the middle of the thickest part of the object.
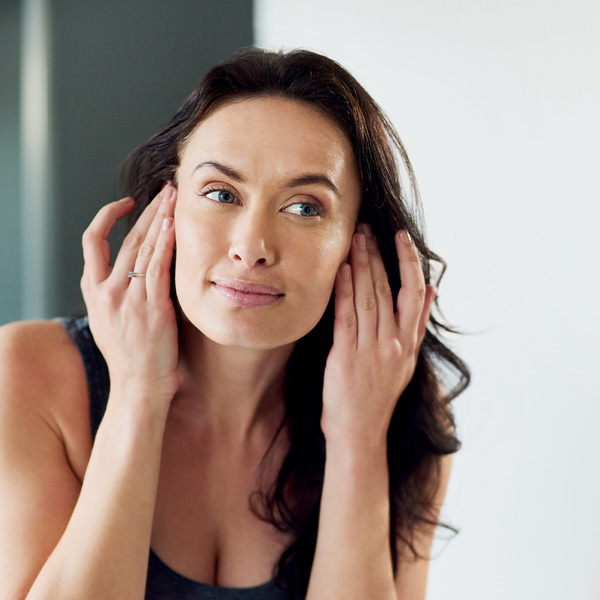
(304, 209)
(223, 196)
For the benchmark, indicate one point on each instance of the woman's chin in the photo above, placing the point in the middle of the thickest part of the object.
(244, 335)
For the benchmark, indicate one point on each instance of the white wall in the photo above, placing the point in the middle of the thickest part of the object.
(499, 106)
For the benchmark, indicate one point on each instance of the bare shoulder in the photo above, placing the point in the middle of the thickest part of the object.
(43, 378)
(24, 342)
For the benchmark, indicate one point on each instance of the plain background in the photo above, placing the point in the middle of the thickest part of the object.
(498, 104)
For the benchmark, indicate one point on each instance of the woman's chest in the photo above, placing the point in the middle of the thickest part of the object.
(206, 526)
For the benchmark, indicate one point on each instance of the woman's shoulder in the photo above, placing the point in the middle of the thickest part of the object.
(42, 376)
(38, 354)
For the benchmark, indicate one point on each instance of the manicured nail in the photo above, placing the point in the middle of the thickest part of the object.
(405, 237)
(345, 271)
(126, 200)
(166, 224)
(168, 193)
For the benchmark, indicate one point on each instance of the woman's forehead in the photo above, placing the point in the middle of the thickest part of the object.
(282, 133)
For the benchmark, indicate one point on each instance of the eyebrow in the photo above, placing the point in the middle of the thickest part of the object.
(306, 179)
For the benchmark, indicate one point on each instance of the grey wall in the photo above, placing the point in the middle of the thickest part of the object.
(118, 72)
(10, 291)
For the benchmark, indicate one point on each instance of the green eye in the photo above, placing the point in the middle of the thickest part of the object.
(223, 196)
(304, 209)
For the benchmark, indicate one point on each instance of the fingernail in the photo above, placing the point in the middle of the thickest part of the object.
(366, 229)
(168, 193)
(345, 271)
(126, 200)
(166, 224)
(405, 237)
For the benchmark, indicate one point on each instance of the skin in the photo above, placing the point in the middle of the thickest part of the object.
(191, 411)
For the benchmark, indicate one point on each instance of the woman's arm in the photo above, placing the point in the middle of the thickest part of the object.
(64, 539)
(96, 539)
(353, 558)
(372, 359)
(411, 579)
(103, 552)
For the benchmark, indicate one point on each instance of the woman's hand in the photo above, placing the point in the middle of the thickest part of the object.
(133, 318)
(375, 345)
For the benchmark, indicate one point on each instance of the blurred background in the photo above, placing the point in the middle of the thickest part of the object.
(498, 105)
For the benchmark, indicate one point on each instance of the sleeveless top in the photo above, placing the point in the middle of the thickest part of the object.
(162, 582)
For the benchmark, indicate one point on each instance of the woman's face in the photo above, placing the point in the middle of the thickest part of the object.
(268, 195)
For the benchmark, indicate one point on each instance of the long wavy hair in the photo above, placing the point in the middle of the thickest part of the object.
(422, 427)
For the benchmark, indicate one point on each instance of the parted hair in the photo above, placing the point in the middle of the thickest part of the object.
(422, 427)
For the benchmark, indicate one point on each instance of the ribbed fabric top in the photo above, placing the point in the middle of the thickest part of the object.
(162, 583)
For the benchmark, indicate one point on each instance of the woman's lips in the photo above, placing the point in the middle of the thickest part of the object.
(243, 293)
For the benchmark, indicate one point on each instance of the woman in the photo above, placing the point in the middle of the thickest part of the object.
(276, 410)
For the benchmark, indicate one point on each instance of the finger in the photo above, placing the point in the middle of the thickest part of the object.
(412, 293)
(125, 260)
(430, 294)
(158, 276)
(386, 320)
(96, 251)
(148, 247)
(344, 325)
(364, 294)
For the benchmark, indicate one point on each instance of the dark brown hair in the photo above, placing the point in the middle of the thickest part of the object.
(422, 426)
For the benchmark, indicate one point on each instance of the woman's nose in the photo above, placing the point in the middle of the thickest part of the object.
(252, 242)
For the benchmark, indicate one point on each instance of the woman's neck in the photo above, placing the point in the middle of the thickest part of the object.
(236, 393)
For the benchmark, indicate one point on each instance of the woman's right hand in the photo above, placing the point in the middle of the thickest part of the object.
(133, 319)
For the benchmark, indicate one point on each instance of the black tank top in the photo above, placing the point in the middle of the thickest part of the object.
(162, 582)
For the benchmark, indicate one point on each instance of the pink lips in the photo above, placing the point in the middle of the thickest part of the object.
(243, 293)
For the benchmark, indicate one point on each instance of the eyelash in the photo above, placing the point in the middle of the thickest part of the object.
(316, 206)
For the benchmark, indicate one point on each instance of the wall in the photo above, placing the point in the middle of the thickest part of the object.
(10, 240)
(497, 103)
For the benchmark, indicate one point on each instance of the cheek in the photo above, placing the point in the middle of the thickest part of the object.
(194, 250)
(337, 249)
(327, 259)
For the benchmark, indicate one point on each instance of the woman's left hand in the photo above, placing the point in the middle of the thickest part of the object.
(375, 344)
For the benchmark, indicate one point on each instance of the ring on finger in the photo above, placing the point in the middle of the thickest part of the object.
(134, 274)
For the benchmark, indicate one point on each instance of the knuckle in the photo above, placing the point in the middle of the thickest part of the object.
(88, 237)
(146, 249)
(382, 288)
(367, 302)
(108, 297)
(413, 257)
(346, 292)
(163, 243)
(349, 320)
(155, 269)
(363, 261)
(132, 240)
(393, 350)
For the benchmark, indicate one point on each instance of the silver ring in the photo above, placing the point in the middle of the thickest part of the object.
(132, 274)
